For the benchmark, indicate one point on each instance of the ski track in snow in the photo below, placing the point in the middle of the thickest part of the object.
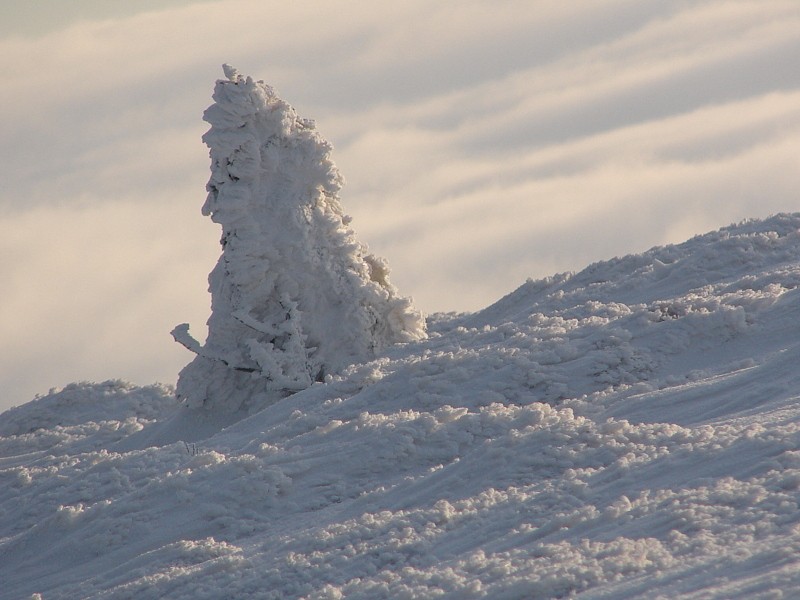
(627, 431)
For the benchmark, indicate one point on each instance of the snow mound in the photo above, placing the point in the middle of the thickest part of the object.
(86, 404)
(294, 296)
(628, 431)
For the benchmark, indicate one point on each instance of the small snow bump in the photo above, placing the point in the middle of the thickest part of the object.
(232, 73)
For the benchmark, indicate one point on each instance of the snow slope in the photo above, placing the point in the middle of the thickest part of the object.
(627, 431)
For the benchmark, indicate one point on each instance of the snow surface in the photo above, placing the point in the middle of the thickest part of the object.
(629, 431)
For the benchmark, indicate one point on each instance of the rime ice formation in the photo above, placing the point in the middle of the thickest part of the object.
(294, 296)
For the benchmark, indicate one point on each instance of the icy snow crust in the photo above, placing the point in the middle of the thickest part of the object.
(629, 431)
(294, 296)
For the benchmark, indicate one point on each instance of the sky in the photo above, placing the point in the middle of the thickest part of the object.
(483, 143)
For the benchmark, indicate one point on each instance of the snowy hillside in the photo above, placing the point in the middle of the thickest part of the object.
(629, 431)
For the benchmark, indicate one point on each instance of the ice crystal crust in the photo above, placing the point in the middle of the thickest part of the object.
(294, 295)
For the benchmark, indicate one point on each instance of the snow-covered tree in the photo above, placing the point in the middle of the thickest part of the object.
(294, 295)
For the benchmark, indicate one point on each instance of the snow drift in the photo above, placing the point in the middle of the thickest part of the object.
(628, 431)
(294, 296)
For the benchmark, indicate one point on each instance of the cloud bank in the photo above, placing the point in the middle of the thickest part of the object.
(482, 144)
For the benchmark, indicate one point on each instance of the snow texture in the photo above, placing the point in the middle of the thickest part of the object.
(629, 431)
(294, 296)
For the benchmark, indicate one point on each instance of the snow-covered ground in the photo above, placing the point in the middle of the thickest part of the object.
(629, 431)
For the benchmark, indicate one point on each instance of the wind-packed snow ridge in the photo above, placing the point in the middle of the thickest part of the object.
(294, 296)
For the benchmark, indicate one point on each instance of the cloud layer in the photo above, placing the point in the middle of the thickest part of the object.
(483, 143)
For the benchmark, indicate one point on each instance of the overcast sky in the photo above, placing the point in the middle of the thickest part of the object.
(483, 143)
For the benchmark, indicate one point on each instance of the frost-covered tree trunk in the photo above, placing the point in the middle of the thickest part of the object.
(294, 296)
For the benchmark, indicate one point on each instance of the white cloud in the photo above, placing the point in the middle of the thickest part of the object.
(482, 144)
(91, 292)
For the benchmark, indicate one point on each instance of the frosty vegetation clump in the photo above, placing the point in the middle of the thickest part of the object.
(294, 295)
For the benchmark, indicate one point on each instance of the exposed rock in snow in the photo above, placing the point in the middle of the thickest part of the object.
(295, 297)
